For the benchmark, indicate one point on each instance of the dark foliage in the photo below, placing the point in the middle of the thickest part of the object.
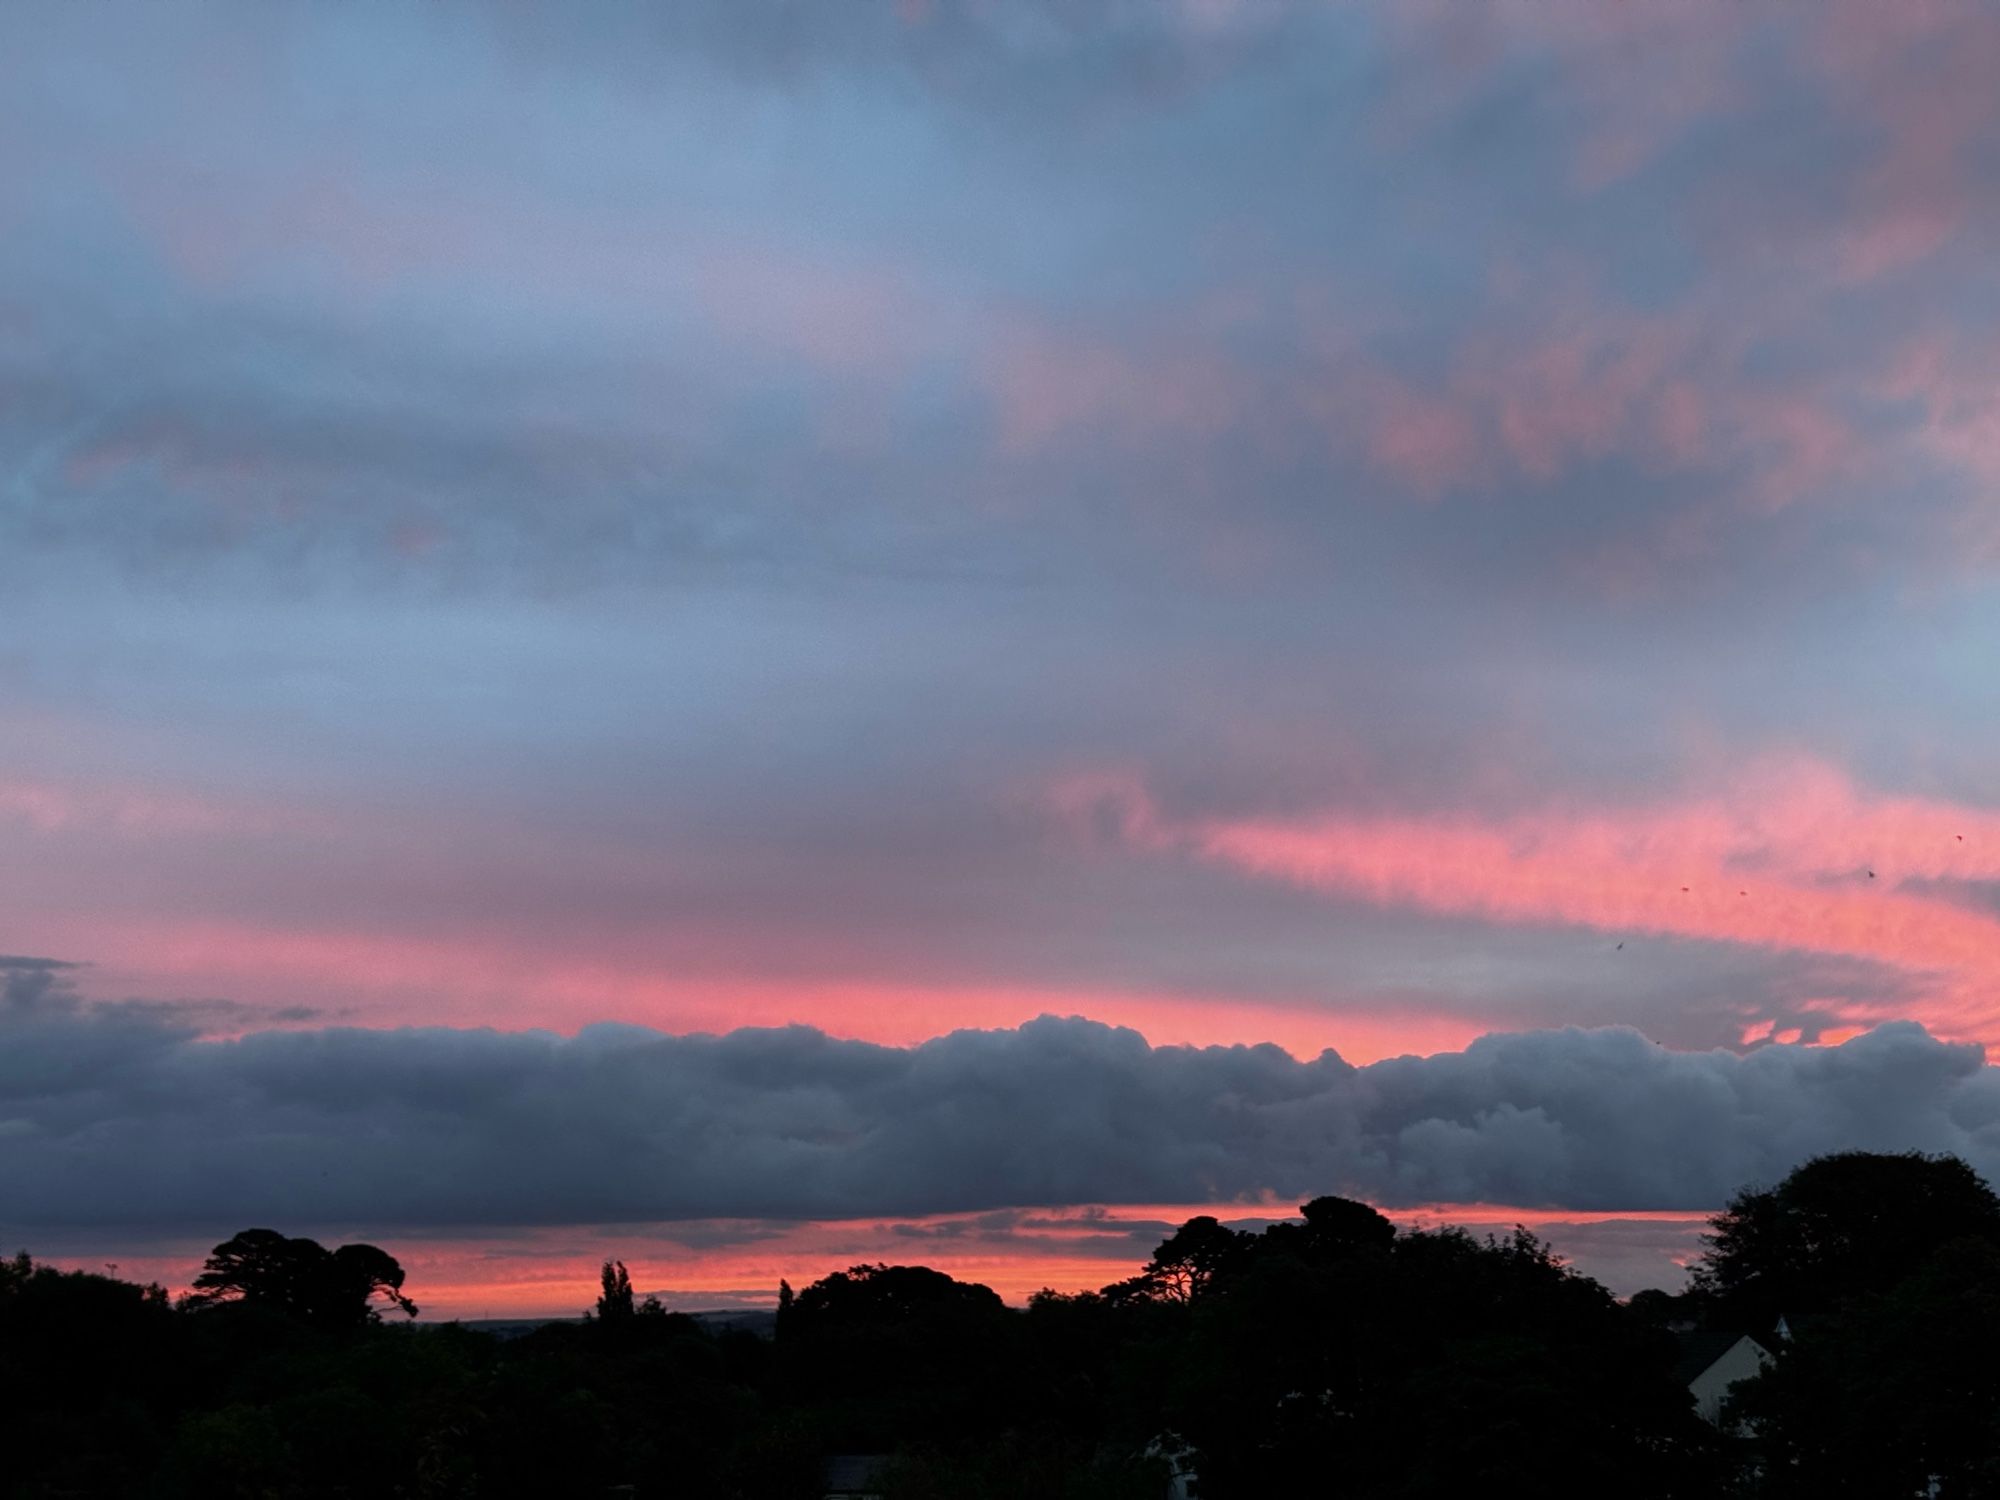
(883, 1351)
(83, 1362)
(614, 1303)
(1433, 1364)
(1887, 1272)
(1843, 1226)
(1899, 1394)
(1333, 1354)
(333, 1288)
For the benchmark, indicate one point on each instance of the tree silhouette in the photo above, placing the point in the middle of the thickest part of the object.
(1839, 1227)
(893, 1352)
(1898, 1395)
(1188, 1261)
(615, 1303)
(1340, 1225)
(334, 1288)
(79, 1354)
(890, 1294)
(1430, 1363)
(355, 1275)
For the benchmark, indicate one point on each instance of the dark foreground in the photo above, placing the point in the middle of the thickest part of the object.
(1334, 1356)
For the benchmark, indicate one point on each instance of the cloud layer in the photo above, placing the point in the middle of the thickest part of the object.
(125, 1118)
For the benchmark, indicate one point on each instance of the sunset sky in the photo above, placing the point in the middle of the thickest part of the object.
(601, 605)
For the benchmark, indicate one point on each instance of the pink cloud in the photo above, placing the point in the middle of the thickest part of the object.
(1799, 446)
(1048, 386)
(1610, 385)
(1957, 391)
(1510, 406)
(1922, 75)
(1636, 77)
(1431, 444)
(1594, 388)
(1781, 860)
(1544, 387)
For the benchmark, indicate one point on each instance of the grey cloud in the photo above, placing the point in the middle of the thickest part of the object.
(215, 1015)
(114, 1119)
(718, 1234)
(35, 984)
(45, 989)
(1020, 1231)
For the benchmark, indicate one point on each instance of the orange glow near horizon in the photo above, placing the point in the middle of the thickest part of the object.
(554, 1272)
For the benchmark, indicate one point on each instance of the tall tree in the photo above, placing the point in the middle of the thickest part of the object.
(614, 1304)
(1839, 1227)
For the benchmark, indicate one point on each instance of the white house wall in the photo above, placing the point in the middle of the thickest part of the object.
(1742, 1360)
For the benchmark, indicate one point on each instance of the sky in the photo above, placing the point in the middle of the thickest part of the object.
(771, 635)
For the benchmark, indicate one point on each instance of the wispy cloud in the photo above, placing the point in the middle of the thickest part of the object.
(1791, 857)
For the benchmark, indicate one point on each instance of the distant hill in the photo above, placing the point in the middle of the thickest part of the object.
(506, 1328)
(761, 1321)
(758, 1320)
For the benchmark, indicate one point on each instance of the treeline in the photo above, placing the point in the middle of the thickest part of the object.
(1335, 1355)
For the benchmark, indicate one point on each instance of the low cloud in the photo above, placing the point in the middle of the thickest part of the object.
(45, 989)
(118, 1118)
(35, 984)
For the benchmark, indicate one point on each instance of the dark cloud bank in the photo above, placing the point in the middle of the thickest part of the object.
(128, 1117)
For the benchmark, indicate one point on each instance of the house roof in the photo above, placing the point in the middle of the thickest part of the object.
(1702, 1347)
